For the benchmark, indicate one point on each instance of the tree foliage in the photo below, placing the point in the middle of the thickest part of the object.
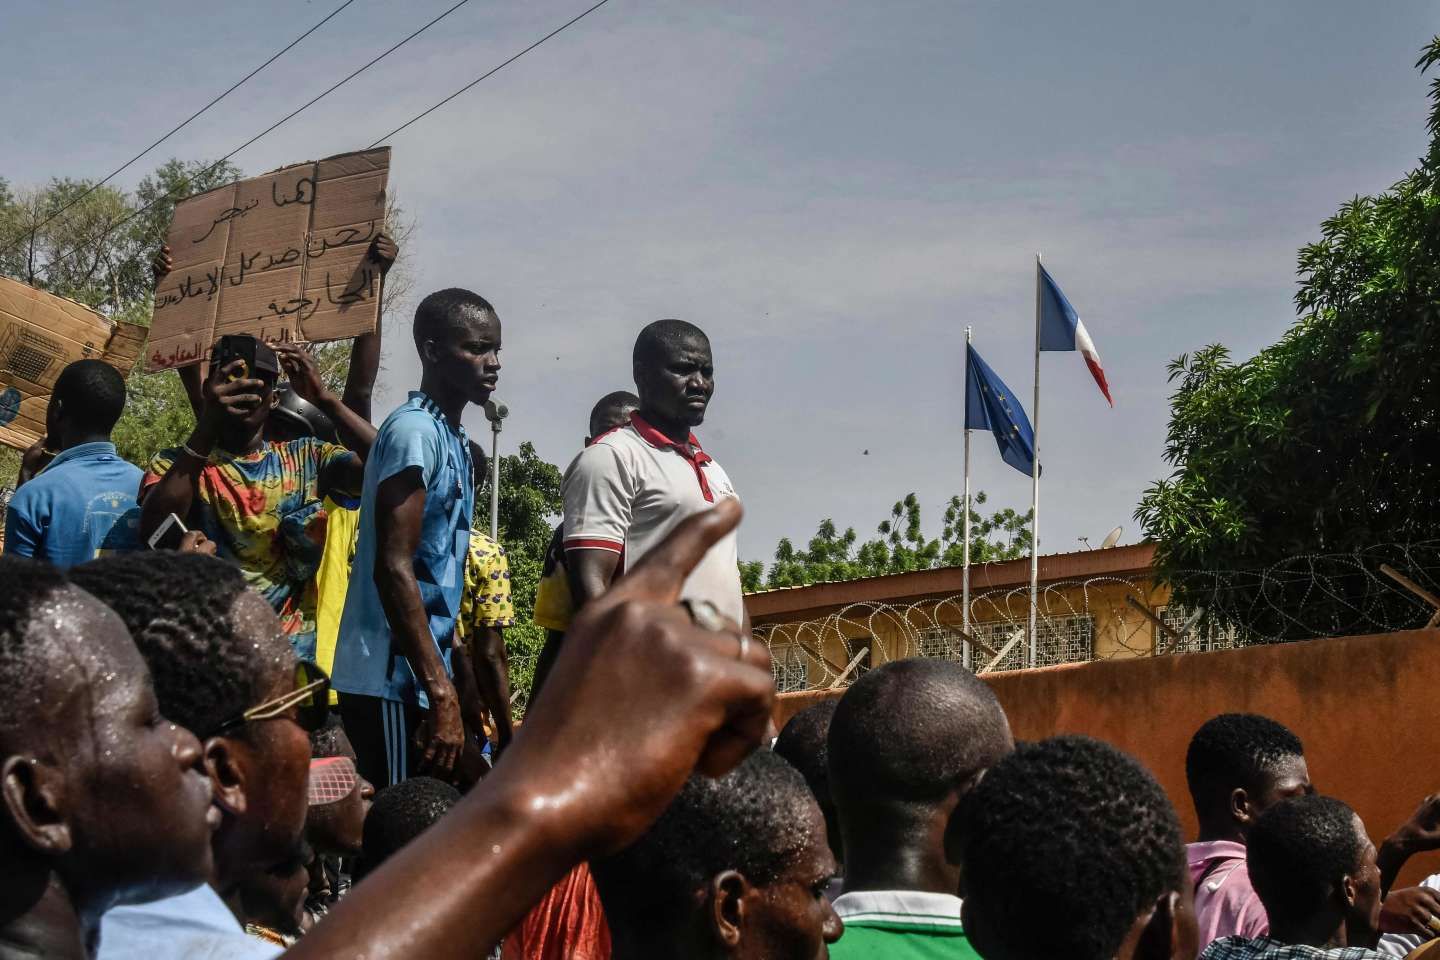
(900, 546)
(1329, 440)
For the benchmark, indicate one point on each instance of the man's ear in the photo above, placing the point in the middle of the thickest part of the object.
(727, 907)
(1241, 809)
(34, 796)
(428, 353)
(1162, 934)
(1347, 890)
(226, 768)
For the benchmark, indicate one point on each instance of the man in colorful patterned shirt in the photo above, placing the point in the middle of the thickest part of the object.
(393, 663)
(258, 499)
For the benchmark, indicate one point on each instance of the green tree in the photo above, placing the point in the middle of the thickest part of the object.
(530, 508)
(1327, 441)
(900, 547)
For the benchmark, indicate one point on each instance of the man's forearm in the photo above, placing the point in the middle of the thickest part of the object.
(492, 676)
(175, 492)
(502, 847)
(410, 627)
(1390, 857)
(356, 432)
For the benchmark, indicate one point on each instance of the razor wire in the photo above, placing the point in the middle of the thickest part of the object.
(1307, 596)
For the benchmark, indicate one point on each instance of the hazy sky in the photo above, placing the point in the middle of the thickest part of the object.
(832, 190)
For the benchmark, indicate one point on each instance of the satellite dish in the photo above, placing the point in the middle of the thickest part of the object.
(1112, 538)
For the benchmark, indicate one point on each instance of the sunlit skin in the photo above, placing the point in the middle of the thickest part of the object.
(791, 918)
(86, 781)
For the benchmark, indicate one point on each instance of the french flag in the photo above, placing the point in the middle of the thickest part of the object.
(1062, 329)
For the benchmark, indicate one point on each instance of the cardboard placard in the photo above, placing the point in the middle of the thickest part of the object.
(41, 334)
(283, 257)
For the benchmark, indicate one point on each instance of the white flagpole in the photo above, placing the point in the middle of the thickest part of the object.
(965, 577)
(1035, 484)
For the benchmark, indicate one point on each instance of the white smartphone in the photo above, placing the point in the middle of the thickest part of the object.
(169, 534)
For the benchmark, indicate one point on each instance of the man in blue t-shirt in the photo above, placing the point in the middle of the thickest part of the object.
(393, 657)
(82, 504)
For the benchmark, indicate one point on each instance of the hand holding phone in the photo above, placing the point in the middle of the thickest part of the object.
(167, 537)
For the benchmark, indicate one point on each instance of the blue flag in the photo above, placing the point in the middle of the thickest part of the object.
(990, 405)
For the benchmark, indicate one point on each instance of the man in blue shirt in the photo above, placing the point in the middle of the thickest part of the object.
(393, 657)
(83, 503)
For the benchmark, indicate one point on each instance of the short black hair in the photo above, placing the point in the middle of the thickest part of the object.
(752, 820)
(331, 741)
(618, 400)
(401, 813)
(1075, 825)
(1298, 852)
(910, 732)
(1235, 750)
(28, 584)
(444, 310)
(92, 395)
(660, 337)
(178, 608)
(803, 745)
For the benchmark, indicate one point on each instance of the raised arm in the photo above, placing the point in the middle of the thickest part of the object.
(356, 432)
(399, 510)
(693, 699)
(365, 350)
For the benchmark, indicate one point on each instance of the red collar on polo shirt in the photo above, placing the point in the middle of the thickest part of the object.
(692, 453)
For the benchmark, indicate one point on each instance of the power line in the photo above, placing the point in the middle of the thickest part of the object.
(307, 105)
(491, 73)
(124, 166)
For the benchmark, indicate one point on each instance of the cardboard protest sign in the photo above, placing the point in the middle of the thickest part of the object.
(282, 257)
(40, 334)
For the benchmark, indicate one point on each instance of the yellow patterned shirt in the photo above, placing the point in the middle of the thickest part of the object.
(485, 601)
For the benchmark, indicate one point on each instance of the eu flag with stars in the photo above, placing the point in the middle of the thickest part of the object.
(990, 405)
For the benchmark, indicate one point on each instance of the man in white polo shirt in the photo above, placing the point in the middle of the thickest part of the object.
(633, 485)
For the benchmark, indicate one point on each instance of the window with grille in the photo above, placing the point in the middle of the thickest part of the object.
(941, 643)
(1065, 640)
(787, 663)
(1199, 637)
(996, 635)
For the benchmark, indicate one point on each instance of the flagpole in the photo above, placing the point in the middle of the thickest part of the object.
(965, 576)
(1035, 484)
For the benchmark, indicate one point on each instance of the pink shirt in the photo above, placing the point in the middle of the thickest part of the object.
(1225, 903)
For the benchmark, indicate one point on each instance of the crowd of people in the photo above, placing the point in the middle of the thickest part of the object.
(260, 706)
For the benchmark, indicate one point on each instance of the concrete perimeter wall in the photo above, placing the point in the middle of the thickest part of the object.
(1367, 708)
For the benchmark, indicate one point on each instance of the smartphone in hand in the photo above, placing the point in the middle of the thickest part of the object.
(169, 534)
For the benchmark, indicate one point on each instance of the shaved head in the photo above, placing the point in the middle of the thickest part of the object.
(662, 337)
(912, 731)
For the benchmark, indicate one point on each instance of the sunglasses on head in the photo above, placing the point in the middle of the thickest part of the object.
(310, 700)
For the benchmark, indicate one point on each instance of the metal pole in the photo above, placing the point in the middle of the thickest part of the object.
(495, 480)
(965, 576)
(1035, 485)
